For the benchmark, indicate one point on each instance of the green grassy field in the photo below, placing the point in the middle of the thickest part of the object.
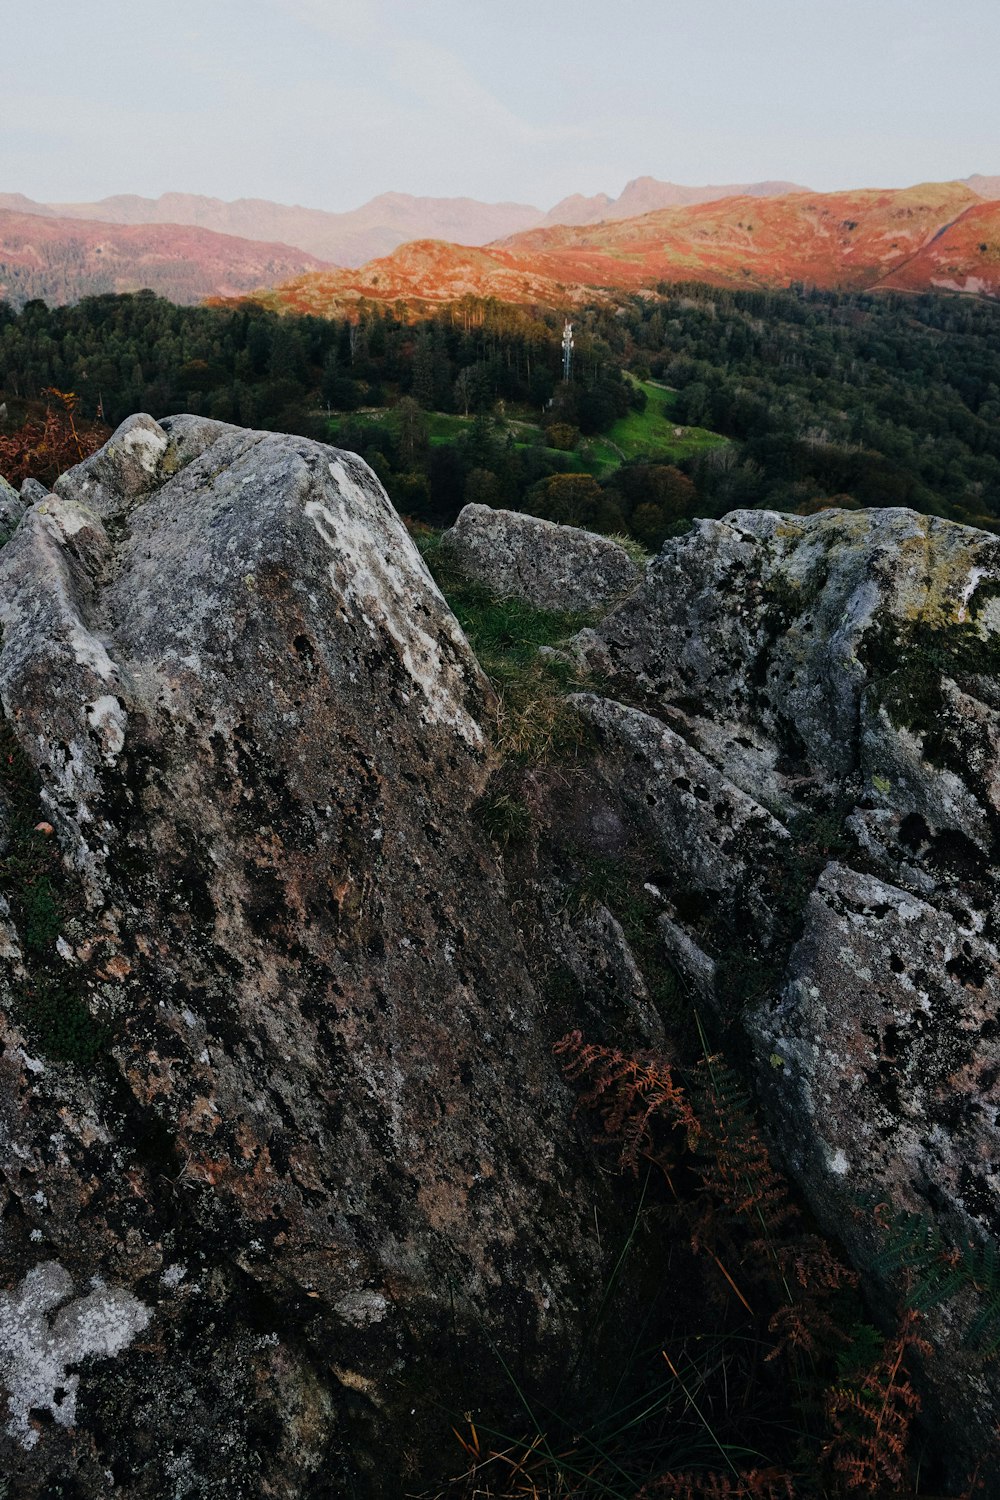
(641, 434)
(444, 427)
(653, 432)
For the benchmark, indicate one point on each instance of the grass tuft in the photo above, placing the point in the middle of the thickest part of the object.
(533, 722)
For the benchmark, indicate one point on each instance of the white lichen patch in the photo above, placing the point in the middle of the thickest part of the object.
(92, 653)
(144, 444)
(44, 1331)
(362, 1307)
(107, 720)
(381, 590)
(976, 576)
(64, 518)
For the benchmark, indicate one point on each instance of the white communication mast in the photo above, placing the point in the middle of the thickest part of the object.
(567, 351)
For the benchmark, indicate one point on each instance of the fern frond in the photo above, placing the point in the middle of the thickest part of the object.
(871, 1418)
(933, 1271)
(631, 1094)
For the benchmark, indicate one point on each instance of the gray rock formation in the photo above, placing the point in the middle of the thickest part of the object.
(282, 1149)
(553, 567)
(32, 490)
(818, 685)
(314, 1147)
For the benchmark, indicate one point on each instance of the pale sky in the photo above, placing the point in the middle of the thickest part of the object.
(328, 102)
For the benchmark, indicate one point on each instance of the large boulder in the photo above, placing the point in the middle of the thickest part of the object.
(553, 567)
(282, 1150)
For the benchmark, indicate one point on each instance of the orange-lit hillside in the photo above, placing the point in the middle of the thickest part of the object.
(913, 238)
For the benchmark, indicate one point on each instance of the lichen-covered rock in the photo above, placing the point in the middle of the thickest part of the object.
(799, 646)
(842, 671)
(553, 567)
(309, 1142)
(722, 839)
(12, 508)
(880, 1065)
(314, 1145)
(880, 1053)
(32, 490)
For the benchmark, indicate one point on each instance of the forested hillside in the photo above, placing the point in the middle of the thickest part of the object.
(780, 399)
(891, 400)
(62, 260)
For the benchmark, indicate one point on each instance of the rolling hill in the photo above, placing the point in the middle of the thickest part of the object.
(61, 260)
(935, 235)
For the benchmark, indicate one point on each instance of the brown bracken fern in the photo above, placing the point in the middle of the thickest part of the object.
(697, 1125)
(631, 1095)
(871, 1418)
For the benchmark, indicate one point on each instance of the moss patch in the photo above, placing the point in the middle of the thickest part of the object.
(533, 722)
(909, 667)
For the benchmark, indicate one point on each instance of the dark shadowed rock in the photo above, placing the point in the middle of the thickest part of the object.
(32, 490)
(318, 1159)
(723, 840)
(553, 567)
(880, 1069)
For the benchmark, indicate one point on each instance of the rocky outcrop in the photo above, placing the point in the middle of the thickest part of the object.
(282, 1148)
(553, 567)
(809, 687)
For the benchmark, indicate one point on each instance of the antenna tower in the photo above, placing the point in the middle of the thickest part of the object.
(567, 348)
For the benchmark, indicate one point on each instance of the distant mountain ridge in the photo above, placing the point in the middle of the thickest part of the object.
(986, 187)
(644, 195)
(188, 247)
(374, 230)
(385, 222)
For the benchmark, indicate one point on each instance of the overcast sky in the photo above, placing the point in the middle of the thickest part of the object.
(328, 102)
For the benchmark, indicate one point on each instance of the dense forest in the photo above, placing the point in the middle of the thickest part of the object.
(783, 399)
(894, 400)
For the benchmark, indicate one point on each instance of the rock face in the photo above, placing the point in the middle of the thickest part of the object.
(553, 567)
(809, 687)
(281, 1144)
(282, 1150)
